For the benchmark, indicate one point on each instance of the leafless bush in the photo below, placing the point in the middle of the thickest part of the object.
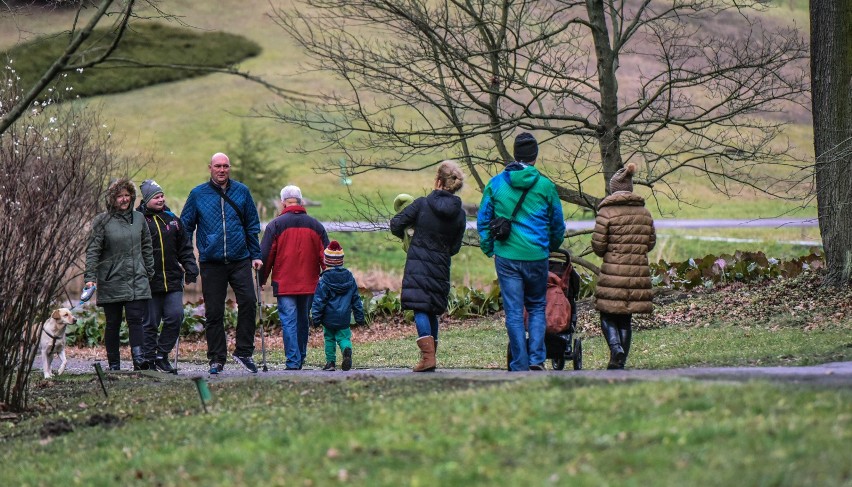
(55, 162)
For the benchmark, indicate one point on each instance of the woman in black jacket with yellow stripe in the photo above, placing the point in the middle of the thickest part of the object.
(174, 264)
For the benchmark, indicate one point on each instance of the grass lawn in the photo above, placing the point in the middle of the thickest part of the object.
(415, 431)
(489, 429)
(419, 429)
(483, 346)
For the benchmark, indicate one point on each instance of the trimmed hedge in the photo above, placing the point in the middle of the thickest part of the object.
(143, 43)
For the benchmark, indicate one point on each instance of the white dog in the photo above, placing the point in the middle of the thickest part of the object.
(53, 340)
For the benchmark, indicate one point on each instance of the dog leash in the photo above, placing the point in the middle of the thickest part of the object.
(86, 295)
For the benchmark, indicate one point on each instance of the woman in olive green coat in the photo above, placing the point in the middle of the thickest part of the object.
(120, 260)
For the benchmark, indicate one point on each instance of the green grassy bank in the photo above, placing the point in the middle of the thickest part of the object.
(423, 429)
(547, 431)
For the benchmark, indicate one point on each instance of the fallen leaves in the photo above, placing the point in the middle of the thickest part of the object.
(801, 302)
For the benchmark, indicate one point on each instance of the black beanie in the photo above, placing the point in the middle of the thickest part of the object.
(526, 148)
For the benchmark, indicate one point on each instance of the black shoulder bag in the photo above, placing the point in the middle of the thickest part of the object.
(502, 227)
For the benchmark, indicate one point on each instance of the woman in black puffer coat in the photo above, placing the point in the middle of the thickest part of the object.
(438, 221)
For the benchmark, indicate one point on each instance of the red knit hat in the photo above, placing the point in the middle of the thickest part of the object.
(334, 254)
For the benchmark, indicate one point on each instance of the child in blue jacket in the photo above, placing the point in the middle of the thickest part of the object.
(335, 299)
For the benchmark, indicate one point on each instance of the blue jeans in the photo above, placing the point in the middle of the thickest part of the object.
(523, 284)
(293, 312)
(427, 325)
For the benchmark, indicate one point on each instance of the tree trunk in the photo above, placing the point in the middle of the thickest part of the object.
(608, 135)
(831, 72)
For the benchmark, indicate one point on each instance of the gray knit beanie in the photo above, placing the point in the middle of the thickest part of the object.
(149, 189)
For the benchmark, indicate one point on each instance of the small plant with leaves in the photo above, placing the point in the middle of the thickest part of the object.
(712, 270)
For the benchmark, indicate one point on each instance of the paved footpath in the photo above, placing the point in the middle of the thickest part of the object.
(836, 374)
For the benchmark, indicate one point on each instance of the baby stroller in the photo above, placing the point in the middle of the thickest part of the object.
(561, 346)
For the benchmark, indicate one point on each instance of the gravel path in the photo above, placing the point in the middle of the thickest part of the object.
(836, 374)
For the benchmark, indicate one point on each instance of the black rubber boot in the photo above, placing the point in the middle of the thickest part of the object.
(610, 334)
(139, 360)
(625, 333)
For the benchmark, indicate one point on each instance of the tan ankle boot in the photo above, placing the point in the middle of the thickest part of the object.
(427, 355)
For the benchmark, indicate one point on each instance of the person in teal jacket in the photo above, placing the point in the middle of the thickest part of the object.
(521, 259)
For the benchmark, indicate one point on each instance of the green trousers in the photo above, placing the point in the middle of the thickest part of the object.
(333, 338)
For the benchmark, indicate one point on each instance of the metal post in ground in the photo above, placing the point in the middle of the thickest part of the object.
(258, 292)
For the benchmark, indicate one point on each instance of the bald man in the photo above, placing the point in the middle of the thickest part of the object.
(222, 215)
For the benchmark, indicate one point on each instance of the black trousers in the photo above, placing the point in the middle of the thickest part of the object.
(134, 312)
(215, 278)
(168, 308)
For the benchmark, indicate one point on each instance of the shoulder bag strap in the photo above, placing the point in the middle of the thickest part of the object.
(234, 206)
(523, 196)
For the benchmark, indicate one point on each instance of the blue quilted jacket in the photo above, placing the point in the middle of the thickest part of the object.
(219, 232)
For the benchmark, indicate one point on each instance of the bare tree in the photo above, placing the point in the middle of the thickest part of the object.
(831, 72)
(690, 86)
(55, 161)
(54, 165)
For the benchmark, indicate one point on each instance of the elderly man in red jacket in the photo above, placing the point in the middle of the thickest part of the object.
(292, 253)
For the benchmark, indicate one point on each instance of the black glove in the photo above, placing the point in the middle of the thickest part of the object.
(190, 278)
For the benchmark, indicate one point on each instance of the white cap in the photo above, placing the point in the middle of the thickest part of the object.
(291, 192)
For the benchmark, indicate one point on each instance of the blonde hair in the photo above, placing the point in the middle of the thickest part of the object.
(450, 176)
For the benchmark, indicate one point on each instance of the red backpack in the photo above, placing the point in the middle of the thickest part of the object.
(558, 312)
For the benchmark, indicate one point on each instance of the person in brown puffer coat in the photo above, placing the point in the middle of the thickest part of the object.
(624, 234)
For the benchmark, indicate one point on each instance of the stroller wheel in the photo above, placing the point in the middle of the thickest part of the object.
(578, 354)
(558, 363)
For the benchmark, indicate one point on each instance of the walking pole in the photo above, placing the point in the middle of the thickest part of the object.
(177, 351)
(260, 319)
